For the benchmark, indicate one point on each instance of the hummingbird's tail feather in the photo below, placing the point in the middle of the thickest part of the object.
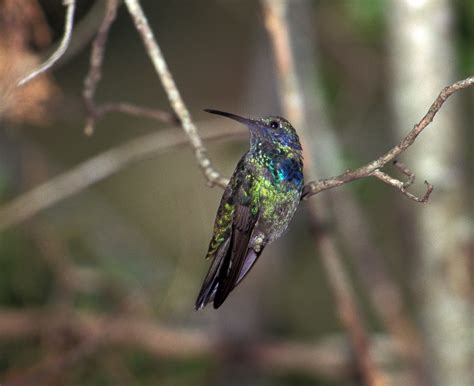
(229, 274)
(249, 261)
(232, 261)
(209, 286)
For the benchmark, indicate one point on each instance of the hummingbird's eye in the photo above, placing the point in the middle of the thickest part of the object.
(274, 124)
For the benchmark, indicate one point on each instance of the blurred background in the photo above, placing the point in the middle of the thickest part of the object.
(99, 287)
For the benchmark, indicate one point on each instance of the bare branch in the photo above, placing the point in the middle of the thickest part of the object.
(99, 167)
(177, 103)
(368, 170)
(97, 53)
(71, 6)
(277, 24)
(277, 28)
(85, 29)
(407, 172)
(94, 75)
(95, 68)
(347, 307)
(401, 186)
(139, 111)
(328, 357)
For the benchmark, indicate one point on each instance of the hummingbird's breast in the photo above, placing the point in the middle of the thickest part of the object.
(276, 192)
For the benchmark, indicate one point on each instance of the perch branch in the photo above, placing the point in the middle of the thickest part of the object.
(70, 9)
(177, 103)
(99, 167)
(371, 169)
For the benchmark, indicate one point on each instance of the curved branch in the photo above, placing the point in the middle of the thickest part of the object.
(402, 186)
(177, 103)
(368, 170)
(71, 7)
(94, 112)
(96, 169)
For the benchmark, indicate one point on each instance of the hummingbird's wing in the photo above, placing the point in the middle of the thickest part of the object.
(232, 260)
(221, 236)
(225, 212)
(238, 253)
(229, 246)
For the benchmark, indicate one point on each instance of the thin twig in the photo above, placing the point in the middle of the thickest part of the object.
(368, 170)
(95, 68)
(99, 167)
(177, 103)
(401, 186)
(139, 111)
(407, 172)
(85, 30)
(94, 75)
(71, 6)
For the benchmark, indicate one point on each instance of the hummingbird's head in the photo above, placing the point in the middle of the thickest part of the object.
(274, 130)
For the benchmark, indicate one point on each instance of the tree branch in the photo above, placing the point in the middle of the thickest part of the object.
(138, 111)
(277, 24)
(94, 112)
(371, 168)
(95, 67)
(177, 103)
(402, 186)
(323, 150)
(71, 6)
(99, 167)
(407, 172)
(328, 357)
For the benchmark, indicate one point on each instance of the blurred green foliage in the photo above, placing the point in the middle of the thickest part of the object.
(465, 25)
(25, 278)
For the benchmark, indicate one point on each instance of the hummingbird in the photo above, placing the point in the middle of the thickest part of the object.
(257, 205)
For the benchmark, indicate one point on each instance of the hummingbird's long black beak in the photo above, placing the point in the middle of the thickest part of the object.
(245, 121)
